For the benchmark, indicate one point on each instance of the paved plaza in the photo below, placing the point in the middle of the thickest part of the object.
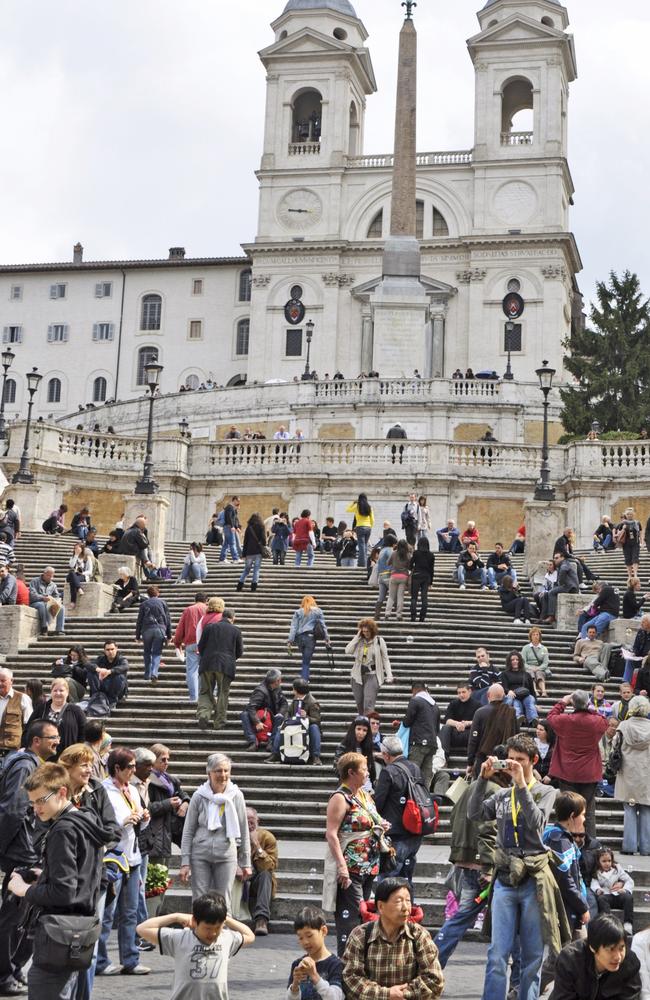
(261, 973)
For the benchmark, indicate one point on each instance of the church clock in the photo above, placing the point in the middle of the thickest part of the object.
(300, 209)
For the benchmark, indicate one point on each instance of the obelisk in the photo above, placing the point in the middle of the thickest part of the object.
(400, 305)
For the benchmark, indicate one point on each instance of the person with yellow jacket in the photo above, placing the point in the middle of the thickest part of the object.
(363, 522)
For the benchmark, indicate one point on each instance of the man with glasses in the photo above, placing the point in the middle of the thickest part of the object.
(17, 848)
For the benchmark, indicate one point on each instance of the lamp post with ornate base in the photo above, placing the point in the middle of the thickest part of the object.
(544, 490)
(24, 475)
(147, 485)
(507, 375)
(7, 361)
(309, 326)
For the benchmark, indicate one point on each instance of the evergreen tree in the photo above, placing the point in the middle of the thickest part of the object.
(611, 362)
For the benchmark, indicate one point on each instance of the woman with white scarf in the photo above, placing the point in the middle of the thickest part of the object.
(215, 836)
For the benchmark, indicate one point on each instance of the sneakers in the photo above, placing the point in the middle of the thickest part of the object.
(317, 760)
(110, 970)
(273, 758)
(484, 588)
(143, 945)
(251, 747)
(462, 587)
(517, 621)
(12, 988)
(627, 927)
(261, 928)
(137, 970)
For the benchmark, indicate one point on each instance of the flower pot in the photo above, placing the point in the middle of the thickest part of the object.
(153, 904)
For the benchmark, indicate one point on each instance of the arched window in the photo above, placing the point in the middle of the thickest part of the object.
(151, 312)
(376, 227)
(517, 113)
(145, 356)
(243, 337)
(54, 390)
(99, 390)
(10, 391)
(440, 227)
(353, 143)
(307, 117)
(245, 285)
(192, 382)
(235, 381)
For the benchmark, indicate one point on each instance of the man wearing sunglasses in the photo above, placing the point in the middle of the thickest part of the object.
(17, 848)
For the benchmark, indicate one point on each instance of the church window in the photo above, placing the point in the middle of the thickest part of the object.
(296, 292)
(10, 391)
(294, 344)
(146, 356)
(307, 117)
(548, 21)
(517, 113)
(243, 337)
(245, 285)
(419, 220)
(151, 313)
(340, 33)
(353, 143)
(376, 228)
(515, 337)
(440, 227)
(54, 390)
(514, 285)
(99, 390)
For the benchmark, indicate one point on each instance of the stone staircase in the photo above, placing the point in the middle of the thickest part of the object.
(292, 801)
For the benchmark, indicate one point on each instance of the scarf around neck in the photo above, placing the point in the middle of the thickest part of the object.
(221, 804)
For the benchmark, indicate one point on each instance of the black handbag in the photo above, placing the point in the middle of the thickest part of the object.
(614, 761)
(65, 941)
(318, 631)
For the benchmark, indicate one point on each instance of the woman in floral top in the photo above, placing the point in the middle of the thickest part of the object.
(353, 830)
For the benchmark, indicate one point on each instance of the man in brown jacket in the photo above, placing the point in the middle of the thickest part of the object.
(262, 885)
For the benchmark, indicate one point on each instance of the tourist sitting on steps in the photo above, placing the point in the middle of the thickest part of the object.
(454, 735)
(482, 675)
(603, 610)
(262, 883)
(536, 660)
(268, 698)
(592, 654)
(108, 673)
(81, 570)
(195, 567)
(126, 590)
(499, 565)
(47, 599)
(303, 706)
(73, 666)
(514, 603)
(449, 538)
(519, 688)
(567, 583)
(469, 566)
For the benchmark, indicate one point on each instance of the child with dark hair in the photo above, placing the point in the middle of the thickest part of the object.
(318, 975)
(358, 739)
(613, 888)
(201, 944)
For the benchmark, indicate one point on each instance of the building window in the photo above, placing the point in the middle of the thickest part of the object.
(376, 227)
(192, 382)
(12, 335)
(197, 286)
(196, 329)
(514, 285)
(57, 333)
(57, 291)
(294, 344)
(99, 390)
(151, 312)
(54, 390)
(103, 289)
(10, 391)
(307, 117)
(515, 337)
(245, 285)
(419, 220)
(16, 293)
(103, 331)
(243, 337)
(146, 355)
(440, 227)
(517, 107)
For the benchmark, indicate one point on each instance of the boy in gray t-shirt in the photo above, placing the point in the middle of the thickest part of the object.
(201, 949)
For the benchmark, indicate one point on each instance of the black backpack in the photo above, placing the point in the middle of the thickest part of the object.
(98, 706)
(420, 815)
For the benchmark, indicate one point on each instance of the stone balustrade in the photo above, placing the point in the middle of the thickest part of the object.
(516, 138)
(383, 160)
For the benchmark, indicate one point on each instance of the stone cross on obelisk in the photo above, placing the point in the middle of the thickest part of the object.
(400, 305)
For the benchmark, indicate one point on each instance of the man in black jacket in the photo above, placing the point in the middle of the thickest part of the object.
(219, 648)
(109, 673)
(135, 542)
(16, 845)
(469, 565)
(458, 720)
(231, 526)
(567, 583)
(69, 882)
(266, 696)
(607, 606)
(390, 796)
(564, 546)
(423, 719)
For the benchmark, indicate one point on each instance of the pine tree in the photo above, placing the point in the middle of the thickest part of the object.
(610, 362)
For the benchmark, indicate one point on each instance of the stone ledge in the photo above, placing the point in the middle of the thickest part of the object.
(569, 607)
(95, 602)
(19, 626)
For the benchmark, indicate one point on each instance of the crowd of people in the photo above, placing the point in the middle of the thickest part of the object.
(83, 821)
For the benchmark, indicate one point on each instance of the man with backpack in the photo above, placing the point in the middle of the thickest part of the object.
(399, 784)
(16, 845)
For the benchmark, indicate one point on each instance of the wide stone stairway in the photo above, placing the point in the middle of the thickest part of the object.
(291, 801)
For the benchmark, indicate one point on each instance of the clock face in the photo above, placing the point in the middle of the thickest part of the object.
(299, 210)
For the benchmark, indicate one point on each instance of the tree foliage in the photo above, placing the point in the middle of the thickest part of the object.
(610, 361)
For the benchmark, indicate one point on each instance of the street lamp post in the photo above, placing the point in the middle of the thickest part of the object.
(507, 375)
(544, 490)
(309, 326)
(7, 361)
(24, 474)
(147, 485)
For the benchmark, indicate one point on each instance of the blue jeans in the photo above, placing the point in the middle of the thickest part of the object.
(406, 850)
(142, 914)
(314, 740)
(153, 640)
(44, 618)
(453, 930)
(524, 707)
(347, 563)
(310, 556)
(605, 544)
(306, 644)
(81, 531)
(87, 977)
(252, 563)
(514, 911)
(636, 828)
(192, 670)
(475, 574)
(495, 576)
(249, 729)
(194, 572)
(363, 534)
(601, 622)
(229, 544)
(126, 906)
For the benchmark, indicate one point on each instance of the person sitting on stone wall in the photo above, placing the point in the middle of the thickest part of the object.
(565, 545)
(449, 538)
(605, 607)
(135, 542)
(8, 589)
(47, 599)
(126, 592)
(567, 583)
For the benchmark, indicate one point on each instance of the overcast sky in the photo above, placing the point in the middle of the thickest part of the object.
(136, 125)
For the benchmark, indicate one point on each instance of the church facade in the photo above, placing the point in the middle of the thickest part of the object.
(491, 220)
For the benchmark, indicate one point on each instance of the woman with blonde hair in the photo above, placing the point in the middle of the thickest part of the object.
(307, 627)
(371, 665)
(536, 660)
(68, 718)
(214, 613)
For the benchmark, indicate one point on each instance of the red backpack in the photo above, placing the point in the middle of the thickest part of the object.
(420, 816)
(263, 735)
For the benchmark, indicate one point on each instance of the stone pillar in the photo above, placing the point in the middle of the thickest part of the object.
(19, 625)
(36, 501)
(544, 522)
(366, 343)
(438, 346)
(154, 508)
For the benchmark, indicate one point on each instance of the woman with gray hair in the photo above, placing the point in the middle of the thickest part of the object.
(215, 837)
(633, 780)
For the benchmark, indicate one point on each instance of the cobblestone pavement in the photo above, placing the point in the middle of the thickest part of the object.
(261, 972)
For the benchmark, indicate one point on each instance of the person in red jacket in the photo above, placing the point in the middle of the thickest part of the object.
(185, 638)
(577, 764)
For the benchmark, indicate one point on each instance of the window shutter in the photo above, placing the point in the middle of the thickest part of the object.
(99, 290)
(19, 334)
(65, 332)
(53, 291)
(111, 330)
(5, 335)
(95, 331)
(50, 334)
